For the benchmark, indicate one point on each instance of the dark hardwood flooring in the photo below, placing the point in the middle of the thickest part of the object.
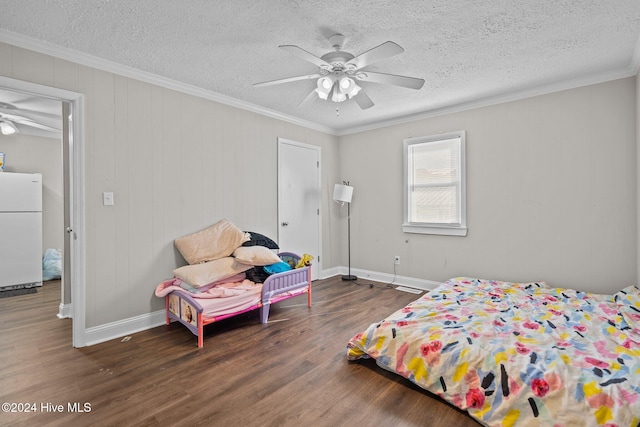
(289, 372)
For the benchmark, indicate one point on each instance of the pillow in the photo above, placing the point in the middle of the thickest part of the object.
(257, 274)
(217, 241)
(278, 267)
(204, 288)
(255, 255)
(258, 239)
(208, 272)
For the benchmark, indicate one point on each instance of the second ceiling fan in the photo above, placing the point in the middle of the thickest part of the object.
(339, 72)
(16, 120)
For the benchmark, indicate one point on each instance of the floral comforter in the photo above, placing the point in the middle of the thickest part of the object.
(517, 354)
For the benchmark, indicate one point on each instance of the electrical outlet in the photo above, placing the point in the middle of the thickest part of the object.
(396, 260)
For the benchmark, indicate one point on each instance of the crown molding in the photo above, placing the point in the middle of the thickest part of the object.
(632, 70)
(47, 48)
(87, 60)
(490, 100)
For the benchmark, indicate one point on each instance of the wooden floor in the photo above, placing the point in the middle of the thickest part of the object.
(289, 372)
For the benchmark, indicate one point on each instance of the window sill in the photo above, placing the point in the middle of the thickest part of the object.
(431, 229)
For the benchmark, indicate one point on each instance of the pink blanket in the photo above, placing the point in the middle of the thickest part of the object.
(233, 286)
(231, 295)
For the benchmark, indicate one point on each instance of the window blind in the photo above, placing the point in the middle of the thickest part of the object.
(435, 182)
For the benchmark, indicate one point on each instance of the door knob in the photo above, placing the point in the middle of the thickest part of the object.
(284, 223)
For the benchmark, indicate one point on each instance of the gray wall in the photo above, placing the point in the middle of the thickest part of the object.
(551, 185)
(638, 176)
(551, 192)
(32, 154)
(176, 163)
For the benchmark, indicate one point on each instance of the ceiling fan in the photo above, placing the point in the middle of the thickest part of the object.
(339, 72)
(13, 120)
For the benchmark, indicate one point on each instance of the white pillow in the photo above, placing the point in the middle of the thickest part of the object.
(208, 272)
(217, 241)
(256, 255)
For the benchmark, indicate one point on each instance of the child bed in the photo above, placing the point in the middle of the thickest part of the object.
(232, 297)
(517, 354)
(229, 272)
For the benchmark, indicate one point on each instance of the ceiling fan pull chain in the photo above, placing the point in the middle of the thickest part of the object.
(337, 112)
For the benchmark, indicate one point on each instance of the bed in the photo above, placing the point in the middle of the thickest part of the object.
(232, 296)
(517, 354)
(230, 271)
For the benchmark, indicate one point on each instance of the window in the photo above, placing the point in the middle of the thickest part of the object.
(434, 187)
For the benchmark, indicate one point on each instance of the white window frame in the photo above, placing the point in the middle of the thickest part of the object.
(457, 229)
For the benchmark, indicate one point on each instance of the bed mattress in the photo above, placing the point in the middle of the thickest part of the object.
(517, 354)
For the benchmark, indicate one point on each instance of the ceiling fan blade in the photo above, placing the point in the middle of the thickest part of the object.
(363, 100)
(28, 114)
(301, 53)
(287, 80)
(43, 121)
(390, 79)
(385, 50)
(31, 123)
(308, 99)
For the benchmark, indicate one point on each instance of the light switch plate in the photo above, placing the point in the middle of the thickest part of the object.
(107, 198)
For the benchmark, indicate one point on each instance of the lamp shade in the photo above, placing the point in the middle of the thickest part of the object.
(342, 193)
(336, 88)
(348, 87)
(325, 86)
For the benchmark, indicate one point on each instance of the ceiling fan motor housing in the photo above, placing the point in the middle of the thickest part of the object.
(338, 60)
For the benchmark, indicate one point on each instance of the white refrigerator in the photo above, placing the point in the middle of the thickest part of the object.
(20, 230)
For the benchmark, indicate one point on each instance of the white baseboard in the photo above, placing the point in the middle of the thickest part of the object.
(64, 311)
(330, 272)
(121, 328)
(124, 327)
(423, 284)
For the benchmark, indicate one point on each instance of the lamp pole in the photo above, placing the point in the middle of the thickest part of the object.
(349, 276)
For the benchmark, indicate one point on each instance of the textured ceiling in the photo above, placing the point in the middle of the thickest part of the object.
(467, 51)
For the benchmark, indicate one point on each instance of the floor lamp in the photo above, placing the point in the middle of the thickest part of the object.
(342, 193)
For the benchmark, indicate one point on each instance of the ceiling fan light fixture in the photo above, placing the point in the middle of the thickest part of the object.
(346, 83)
(325, 87)
(338, 96)
(349, 87)
(322, 95)
(336, 90)
(7, 128)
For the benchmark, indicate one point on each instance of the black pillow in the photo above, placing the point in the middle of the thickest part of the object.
(256, 274)
(258, 239)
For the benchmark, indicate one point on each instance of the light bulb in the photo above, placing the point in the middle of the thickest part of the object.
(345, 83)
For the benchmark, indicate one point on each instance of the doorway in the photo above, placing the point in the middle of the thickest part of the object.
(74, 267)
(299, 195)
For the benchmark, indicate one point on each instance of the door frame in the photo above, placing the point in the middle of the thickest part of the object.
(317, 264)
(75, 204)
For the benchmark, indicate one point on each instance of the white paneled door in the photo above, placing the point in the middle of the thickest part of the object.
(299, 200)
